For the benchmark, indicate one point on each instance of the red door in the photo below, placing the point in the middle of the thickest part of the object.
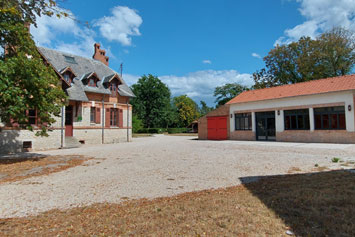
(69, 121)
(217, 128)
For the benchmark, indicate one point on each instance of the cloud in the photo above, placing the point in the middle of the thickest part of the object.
(206, 61)
(119, 27)
(50, 30)
(255, 55)
(321, 15)
(199, 85)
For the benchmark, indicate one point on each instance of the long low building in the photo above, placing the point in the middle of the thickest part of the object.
(315, 111)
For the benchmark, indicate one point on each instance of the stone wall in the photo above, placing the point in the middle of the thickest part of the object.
(94, 136)
(326, 136)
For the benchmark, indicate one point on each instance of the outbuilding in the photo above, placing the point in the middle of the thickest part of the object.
(314, 111)
(215, 125)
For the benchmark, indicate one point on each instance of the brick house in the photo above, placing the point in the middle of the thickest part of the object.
(98, 110)
(315, 111)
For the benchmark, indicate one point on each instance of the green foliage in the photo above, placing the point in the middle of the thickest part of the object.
(152, 130)
(177, 130)
(187, 110)
(25, 81)
(335, 159)
(204, 109)
(331, 54)
(227, 92)
(136, 123)
(152, 101)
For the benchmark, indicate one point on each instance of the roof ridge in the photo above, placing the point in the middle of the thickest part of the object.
(302, 82)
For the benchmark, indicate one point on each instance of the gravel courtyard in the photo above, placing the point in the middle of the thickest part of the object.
(162, 166)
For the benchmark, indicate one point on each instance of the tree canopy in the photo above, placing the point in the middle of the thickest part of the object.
(329, 55)
(26, 82)
(187, 110)
(152, 101)
(227, 92)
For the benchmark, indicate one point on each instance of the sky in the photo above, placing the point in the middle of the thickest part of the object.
(193, 46)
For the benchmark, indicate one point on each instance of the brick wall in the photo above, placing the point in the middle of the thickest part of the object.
(326, 136)
(202, 122)
(243, 135)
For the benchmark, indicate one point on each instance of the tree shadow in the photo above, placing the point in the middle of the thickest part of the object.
(9, 142)
(313, 204)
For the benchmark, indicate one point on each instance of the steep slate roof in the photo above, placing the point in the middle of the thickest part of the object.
(83, 67)
(341, 83)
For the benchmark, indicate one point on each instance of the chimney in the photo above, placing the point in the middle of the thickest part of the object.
(100, 54)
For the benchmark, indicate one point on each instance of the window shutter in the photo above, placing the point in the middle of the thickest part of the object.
(107, 118)
(120, 118)
(98, 116)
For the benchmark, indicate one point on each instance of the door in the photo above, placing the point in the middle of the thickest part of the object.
(69, 121)
(265, 126)
(217, 128)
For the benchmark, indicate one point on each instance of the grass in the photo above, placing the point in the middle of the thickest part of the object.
(319, 204)
(335, 159)
(15, 169)
(136, 135)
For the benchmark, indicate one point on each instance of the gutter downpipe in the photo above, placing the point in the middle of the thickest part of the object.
(103, 119)
(62, 129)
(127, 121)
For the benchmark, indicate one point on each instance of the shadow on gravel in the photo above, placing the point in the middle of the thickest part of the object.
(20, 157)
(313, 204)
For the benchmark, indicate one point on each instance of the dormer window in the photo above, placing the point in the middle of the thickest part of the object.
(67, 77)
(92, 82)
(113, 88)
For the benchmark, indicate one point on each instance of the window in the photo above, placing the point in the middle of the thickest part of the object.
(330, 118)
(69, 59)
(114, 117)
(243, 121)
(67, 77)
(296, 119)
(113, 89)
(92, 114)
(32, 116)
(92, 82)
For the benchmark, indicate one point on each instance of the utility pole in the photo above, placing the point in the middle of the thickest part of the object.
(103, 119)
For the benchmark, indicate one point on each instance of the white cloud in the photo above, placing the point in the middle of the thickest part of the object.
(207, 61)
(321, 15)
(199, 85)
(49, 30)
(119, 27)
(255, 55)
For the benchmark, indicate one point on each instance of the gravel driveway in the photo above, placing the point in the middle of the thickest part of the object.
(160, 166)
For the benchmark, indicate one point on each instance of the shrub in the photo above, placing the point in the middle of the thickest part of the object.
(335, 160)
(177, 130)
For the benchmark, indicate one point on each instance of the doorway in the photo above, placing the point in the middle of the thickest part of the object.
(69, 121)
(265, 126)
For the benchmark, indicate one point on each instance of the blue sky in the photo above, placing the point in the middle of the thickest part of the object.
(192, 46)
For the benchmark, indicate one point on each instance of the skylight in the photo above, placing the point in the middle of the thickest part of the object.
(69, 59)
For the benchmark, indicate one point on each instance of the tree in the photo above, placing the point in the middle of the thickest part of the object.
(26, 82)
(152, 101)
(227, 92)
(187, 110)
(331, 54)
(204, 109)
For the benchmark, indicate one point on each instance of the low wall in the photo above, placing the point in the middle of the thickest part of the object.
(242, 135)
(94, 136)
(11, 141)
(317, 136)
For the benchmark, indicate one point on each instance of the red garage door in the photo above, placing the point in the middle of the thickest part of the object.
(217, 128)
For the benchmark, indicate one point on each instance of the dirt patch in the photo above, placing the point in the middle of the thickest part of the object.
(14, 169)
(319, 204)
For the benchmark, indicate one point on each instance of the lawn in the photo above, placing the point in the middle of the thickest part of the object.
(19, 168)
(318, 204)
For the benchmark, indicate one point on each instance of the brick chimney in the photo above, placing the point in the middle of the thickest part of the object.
(100, 54)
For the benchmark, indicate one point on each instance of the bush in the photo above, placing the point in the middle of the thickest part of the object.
(137, 124)
(177, 130)
(152, 130)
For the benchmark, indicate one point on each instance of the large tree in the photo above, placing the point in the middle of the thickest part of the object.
(329, 55)
(152, 101)
(227, 92)
(187, 110)
(26, 82)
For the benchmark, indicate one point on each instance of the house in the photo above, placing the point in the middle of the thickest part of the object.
(215, 124)
(98, 110)
(314, 111)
